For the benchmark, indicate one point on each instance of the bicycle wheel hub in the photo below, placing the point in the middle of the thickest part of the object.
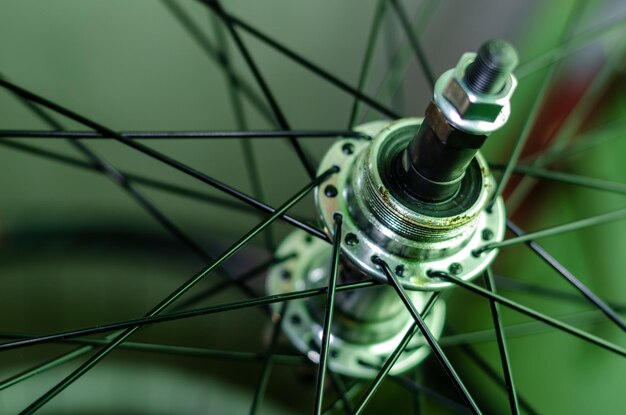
(418, 196)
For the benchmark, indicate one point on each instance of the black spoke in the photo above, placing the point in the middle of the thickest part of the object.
(379, 13)
(221, 286)
(582, 288)
(430, 339)
(396, 71)
(384, 370)
(531, 313)
(342, 392)
(343, 401)
(184, 351)
(269, 96)
(252, 169)
(520, 286)
(268, 360)
(522, 329)
(414, 42)
(415, 387)
(60, 360)
(160, 185)
(85, 367)
(152, 153)
(585, 104)
(306, 63)
(393, 357)
(191, 135)
(530, 120)
(216, 55)
(122, 181)
(595, 220)
(328, 315)
(569, 46)
(568, 178)
(491, 373)
(144, 321)
(611, 130)
(502, 347)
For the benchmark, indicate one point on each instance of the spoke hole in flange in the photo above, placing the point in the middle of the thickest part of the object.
(285, 275)
(400, 270)
(487, 234)
(347, 149)
(295, 320)
(351, 239)
(330, 191)
(455, 268)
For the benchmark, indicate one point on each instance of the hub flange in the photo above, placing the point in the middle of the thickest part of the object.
(413, 237)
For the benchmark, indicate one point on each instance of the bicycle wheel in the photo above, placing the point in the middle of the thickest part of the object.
(78, 254)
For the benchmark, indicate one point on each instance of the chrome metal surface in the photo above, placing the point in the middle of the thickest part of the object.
(470, 111)
(368, 324)
(377, 223)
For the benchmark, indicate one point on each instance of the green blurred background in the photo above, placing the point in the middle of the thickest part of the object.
(77, 251)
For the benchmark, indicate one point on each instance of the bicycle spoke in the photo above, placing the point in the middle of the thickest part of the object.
(391, 360)
(399, 62)
(82, 351)
(530, 120)
(531, 313)
(379, 13)
(567, 178)
(582, 288)
(607, 217)
(216, 55)
(156, 184)
(306, 63)
(123, 183)
(43, 367)
(144, 321)
(430, 339)
(142, 347)
(254, 176)
(221, 286)
(269, 96)
(268, 360)
(575, 118)
(569, 46)
(340, 402)
(154, 154)
(85, 367)
(522, 329)
(520, 286)
(417, 388)
(191, 135)
(393, 357)
(491, 373)
(342, 393)
(589, 140)
(502, 347)
(414, 42)
(185, 351)
(328, 316)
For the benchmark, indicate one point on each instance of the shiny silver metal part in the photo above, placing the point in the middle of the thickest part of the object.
(375, 223)
(368, 323)
(415, 197)
(467, 110)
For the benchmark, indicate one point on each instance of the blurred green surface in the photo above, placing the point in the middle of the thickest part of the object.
(130, 66)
